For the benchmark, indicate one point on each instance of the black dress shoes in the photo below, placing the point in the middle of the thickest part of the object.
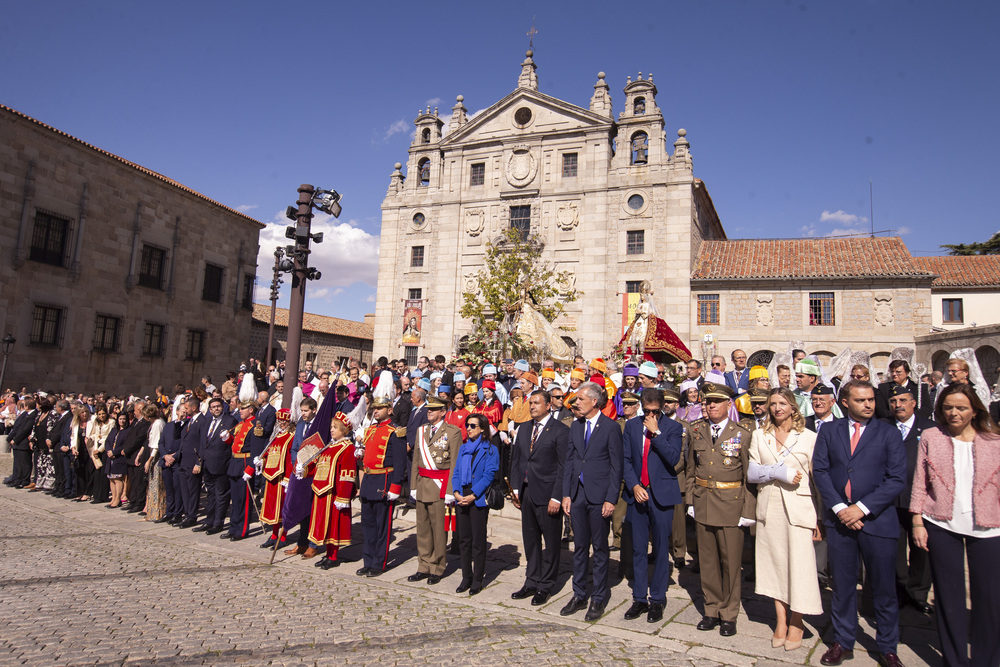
(540, 598)
(432, 579)
(269, 544)
(522, 593)
(655, 614)
(727, 628)
(889, 660)
(475, 590)
(213, 530)
(328, 563)
(373, 572)
(203, 528)
(573, 606)
(708, 623)
(464, 586)
(236, 538)
(162, 520)
(836, 655)
(321, 562)
(637, 609)
(419, 576)
(679, 563)
(596, 610)
(187, 523)
(362, 571)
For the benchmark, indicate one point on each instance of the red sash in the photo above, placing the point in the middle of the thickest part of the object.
(440, 475)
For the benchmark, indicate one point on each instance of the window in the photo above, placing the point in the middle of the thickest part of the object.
(416, 293)
(569, 165)
(311, 356)
(425, 135)
(708, 309)
(152, 340)
(46, 325)
(821, 309)
(424, 169)
(248, 281)
(636, 202)
(520, 219)
(106, 333)
(419, 220)
(48, 239)
(639, 106)
(151, 267)
(417, 256)
(410, 355)
(478, 174)
(633, 286)
(522, 116)
(212, 291)
(640, 148)
(635, 243)
(952, 311)
(194, 347)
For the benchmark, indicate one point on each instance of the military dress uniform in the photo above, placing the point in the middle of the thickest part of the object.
(334, 473)
(248, 443)
(276, 467)
(384, 473)
(716, 471)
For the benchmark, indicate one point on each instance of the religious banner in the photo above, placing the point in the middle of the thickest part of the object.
(630, 300)
(412, 314)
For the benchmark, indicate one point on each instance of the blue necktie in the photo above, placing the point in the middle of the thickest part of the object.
(586, 441)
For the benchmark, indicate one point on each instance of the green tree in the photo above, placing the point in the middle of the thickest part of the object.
(513, 271)
(991, 246)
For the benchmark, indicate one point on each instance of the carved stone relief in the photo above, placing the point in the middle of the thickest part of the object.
(883, 308)
(765, 310)
(568, 215)
(521, 166)
(475, 221)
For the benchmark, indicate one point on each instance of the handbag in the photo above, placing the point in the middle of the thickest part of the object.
(495, 495)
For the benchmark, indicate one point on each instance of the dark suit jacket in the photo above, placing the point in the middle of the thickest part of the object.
(170, 441)
(59, 433)
(192, 438)
(912, 445)
(214, 452)
(138, 439)
(877, 472)
(418, 417)
(401, 410)
(744, 383)
(882, 410)
(267, 416)
(541, 466)
(664, 455)
(599, 461)
(811, 423)
(19, 432)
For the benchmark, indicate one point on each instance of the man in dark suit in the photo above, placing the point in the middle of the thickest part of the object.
(18, 439)
(913, 574)
(738, 379)
(307, 410)
(267, 416)
(859, 465)
(899, 372)
(592, 477)
(169, 450)
(536, 480)
(247, 441)
(652, 448)
(557, 406)
(189, 453)
(216, 454)
(822, 401)
(418, 417)
(56, 439)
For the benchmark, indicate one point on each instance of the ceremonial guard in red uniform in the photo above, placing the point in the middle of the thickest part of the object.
(275, 466)
(248, 442)
(334, 475)
(384, 472)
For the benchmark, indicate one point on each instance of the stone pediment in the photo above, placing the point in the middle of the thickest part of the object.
(506, 119)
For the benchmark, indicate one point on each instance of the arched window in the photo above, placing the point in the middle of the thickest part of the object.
(425, 136)
(424, 168)
(639, 106)
(939, 362)
(989, 360)
(760, 358)
(640, 148)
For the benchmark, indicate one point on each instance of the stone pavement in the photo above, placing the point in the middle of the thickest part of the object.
(81, 584)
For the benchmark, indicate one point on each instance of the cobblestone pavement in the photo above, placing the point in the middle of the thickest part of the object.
(84, 585)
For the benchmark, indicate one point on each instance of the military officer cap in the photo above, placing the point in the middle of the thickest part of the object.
(383, 402)
(758, 395)
(630, 398)
(822, 390)
(716, 390)
(671, 395)
(436, 402)
(898, 390)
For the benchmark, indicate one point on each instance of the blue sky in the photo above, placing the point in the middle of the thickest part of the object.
(791, 108)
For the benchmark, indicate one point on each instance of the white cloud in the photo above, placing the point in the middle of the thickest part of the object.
(847, 224)
(396, 128)
(243, 208)
(434, 101)
(370, 298)
(842, 217)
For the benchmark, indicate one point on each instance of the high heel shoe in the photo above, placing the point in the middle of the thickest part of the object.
(777, 642)
(791, 646)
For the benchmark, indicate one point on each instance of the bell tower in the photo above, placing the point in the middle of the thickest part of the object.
(640, 126)
(424, 164)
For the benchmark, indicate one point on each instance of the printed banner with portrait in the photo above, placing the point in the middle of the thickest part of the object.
(412, 315)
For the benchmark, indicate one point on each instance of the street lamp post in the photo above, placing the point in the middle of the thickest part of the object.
(8, 344)
(279, 252)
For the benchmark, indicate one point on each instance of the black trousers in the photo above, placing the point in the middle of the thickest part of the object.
(59, 486)
(947, 552)
(22, 467)
(190, 489)
(472, 541)
(100, 486)
(216, 498)
(172, 491)
(138, 482)
(243, 512)
(590, 531)
(376, 526)
(913, 575)
(538, 527)
(69, 473)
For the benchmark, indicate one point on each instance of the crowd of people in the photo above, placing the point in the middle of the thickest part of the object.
(900, 474)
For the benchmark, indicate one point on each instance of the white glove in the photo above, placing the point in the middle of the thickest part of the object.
(746, 523)
(224, 436)
(300, 470)
(413, 494)
(342, 506)
(691, 511)
(257, 462)
(359, 453)
(449, 500)
(247, 477)
(391, 496)
(284, 483)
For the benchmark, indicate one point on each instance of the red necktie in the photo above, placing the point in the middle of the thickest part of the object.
(854, 445)
(644, 477)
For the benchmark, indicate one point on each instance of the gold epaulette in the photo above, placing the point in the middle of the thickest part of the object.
(699, 420)
(401, 431)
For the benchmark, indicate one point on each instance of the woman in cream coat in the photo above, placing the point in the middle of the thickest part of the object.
(781, 465)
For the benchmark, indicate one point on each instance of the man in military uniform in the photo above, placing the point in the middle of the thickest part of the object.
(721, 505)
(248, 442)
(758, 403)
(384, 472)
(434, 457)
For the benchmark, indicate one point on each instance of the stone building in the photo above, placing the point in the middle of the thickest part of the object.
(115, 277)
(326, 341)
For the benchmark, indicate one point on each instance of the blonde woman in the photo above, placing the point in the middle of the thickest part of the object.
(98, 430)
(781, 465)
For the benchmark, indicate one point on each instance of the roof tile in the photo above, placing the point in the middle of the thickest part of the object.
(962, 270)
(318, 323)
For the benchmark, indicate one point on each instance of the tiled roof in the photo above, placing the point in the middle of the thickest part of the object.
(133, 165)
(318, 323)
(962, 270)
(880, 257)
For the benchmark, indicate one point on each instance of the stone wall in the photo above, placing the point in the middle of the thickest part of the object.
(328, 348)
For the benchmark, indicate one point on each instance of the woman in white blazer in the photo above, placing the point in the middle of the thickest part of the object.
(781, 466)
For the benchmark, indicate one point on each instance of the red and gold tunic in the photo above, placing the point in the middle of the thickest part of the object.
(334, 475)
(277, 468)
(238, 442)
(493, 411)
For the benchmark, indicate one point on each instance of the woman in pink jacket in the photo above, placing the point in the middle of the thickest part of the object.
(955, 509)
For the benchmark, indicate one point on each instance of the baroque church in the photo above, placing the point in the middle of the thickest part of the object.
(615, 202)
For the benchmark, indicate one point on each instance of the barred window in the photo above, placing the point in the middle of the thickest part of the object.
(48, 239)
(410, 355)
(569, 165)
(46, 325)
(152, 340)
(708, 309)
(952, 311)
(633, 286)
(212, 290)
(478, 174)
(248, 281)
(821, 309)
(635, 242)
(151, 267)
(417, 256)
(107, 333)
(194, 348)
(520, 219)
(416, 293)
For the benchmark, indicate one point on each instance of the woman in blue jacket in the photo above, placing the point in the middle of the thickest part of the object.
(477, 464)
